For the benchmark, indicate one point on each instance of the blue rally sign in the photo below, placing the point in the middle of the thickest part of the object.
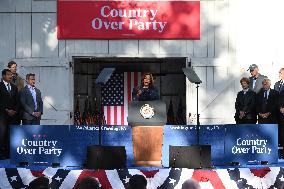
(46, 144)
(251, 143)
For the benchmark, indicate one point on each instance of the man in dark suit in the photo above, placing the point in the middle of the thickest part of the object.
(267, 104)
(9, 108)
(279, 85)
(281, 123)
(245, 104)
(255, 79)
(31, 102)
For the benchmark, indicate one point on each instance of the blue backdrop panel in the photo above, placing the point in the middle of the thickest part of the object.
(177, 135)
(251, 143)
(119, 136)
(46, 144)
(80, 138)
(214, 135)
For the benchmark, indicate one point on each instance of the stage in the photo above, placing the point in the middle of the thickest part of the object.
(41, 146)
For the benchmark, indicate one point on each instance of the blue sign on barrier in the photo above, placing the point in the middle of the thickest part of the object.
(177, 135)
(67, 145)
(46, 144)
(119, 136)
(214, 135)
(252, 143)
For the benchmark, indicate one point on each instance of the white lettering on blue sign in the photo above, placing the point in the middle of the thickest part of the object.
(33, 147)
(254, 146)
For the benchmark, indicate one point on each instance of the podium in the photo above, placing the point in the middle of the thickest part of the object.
(147, 119)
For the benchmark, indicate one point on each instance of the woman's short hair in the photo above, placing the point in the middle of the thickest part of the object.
(245, 79)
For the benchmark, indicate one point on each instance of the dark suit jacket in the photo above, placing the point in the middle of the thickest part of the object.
(272, 104)
(9, 101)
(276, 86)
(147, 94)
(258, 83)
(281, 105)
(27, 103)
(246, 103)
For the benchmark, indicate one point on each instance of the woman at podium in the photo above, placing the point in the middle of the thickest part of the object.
(147, 91)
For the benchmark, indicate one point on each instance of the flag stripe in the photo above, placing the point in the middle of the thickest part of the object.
(105, 113)
(26, 175)
(114, 179)
(122, 116)
(129, 87)
(70, 180)
(111, 112)
(117, 115)
(4, 180)
(125, 108)
(108, 115)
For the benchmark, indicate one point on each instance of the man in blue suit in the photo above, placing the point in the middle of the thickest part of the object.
(31, 102)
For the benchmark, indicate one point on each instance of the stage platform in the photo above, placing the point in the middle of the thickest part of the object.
(45, 145)
(242, 177)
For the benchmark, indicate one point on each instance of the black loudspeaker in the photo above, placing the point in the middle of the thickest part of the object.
(193, 157)
(106, 157)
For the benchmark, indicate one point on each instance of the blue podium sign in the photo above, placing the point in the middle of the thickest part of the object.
(252, 143)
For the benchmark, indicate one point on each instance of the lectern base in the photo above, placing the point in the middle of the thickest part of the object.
(147, 145)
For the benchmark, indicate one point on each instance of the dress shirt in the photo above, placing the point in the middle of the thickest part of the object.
(33, 91)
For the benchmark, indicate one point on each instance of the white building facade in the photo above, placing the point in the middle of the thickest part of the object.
(234, 34)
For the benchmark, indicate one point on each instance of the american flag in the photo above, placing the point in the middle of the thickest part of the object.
(116, 94)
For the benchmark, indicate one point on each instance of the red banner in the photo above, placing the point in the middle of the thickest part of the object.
(128, 19)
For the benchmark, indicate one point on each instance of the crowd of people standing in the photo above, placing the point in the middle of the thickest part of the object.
(257, 102)
(19, 103)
